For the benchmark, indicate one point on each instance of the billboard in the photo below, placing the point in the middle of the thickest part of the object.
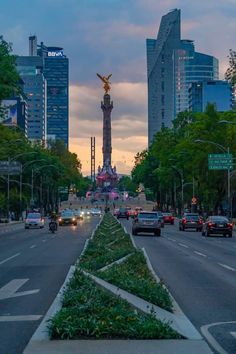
(55, 54)
(9, 112)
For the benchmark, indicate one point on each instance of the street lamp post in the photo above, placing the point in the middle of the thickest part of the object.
(32, 179)
(224, 149)
(8, 177)
(180, 172)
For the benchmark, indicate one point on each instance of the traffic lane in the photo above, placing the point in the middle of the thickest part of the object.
(204, 290)
(18, 243)
(42, 271)
(221, 250)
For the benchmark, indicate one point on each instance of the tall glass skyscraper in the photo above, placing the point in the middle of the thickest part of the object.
(30, 69)
(172, 64)
(56, 72)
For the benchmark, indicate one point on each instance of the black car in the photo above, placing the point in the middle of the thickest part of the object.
(217, 225)
(190, 221)
(123, 213)
(67, 217)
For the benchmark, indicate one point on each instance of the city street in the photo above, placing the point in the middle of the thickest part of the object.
(201, 275)
(33, 267)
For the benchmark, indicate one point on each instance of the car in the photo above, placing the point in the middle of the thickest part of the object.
(115, 212)
(86, 213)
(190, 221)
(78, 214)
(34, 220)
(67, 217)
(123, 213)
(147, 221)
(168, 218)
(217, 225)
(96, 212)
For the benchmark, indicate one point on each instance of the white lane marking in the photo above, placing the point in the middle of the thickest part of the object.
(183, 245)
(9, 258)
(233, 334)
(44, 240)
(10, 289)
(172, 239)
(200, 254)
(234, 246)
(211, 339)
(20, 318)
(227, 267)
(33, 246)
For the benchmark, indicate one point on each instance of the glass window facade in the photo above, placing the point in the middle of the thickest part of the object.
(56, 72)
(172, 64)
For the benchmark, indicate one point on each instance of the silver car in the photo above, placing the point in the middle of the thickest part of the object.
(147, 221)
(34, 220)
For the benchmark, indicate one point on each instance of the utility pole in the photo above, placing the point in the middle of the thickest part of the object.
(93, 159)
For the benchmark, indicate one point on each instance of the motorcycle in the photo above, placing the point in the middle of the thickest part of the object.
(52, 226)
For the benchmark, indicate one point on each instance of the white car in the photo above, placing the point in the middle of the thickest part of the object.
(34, 220)
(96, 212)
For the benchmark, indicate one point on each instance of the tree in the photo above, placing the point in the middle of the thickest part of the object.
(9, 77)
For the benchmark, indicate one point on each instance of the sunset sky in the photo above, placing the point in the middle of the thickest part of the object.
(108, 36)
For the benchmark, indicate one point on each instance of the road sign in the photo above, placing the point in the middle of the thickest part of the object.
(10, 167)
(220, 161)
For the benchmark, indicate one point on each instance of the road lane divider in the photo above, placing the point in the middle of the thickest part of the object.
(33, 246)
(227, 267)
(9, 258)
(200, 254)
(183, 245)
(20, 318)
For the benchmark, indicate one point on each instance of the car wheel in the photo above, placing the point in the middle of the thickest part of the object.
(207, 234)
(26, 227)
(203, 233)
(172, 223)
(180, 228)
(230, 234)
(157, 232)
(183, 228)
(127, 218)
(134, 232)
(60, 224)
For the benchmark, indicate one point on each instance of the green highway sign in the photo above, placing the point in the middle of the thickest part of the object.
(220, 161)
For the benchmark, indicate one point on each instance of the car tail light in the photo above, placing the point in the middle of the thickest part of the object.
(230, 225)
(200, 221)
(184, 221)
(211, 224)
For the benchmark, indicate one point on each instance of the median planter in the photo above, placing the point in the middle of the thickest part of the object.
(90, 310)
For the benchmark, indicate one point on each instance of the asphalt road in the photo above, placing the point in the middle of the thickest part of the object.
(33, 267)
(201, 275)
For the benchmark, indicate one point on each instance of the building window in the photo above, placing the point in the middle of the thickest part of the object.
(162, 99)
(162, 85)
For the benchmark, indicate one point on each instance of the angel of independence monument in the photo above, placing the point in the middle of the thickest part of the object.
(107, 177)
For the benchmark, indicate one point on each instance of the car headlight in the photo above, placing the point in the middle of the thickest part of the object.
(60, 219)
(82, 213)
(73, 219)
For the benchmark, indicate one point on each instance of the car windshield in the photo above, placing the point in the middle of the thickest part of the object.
(67, 213)
(122, 210)
(192, 217)
(219, 218)
(34, 216)
(147, 216)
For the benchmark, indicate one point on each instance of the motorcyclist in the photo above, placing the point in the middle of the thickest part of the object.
(53, 219)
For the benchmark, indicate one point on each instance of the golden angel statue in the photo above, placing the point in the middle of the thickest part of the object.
(105, 80)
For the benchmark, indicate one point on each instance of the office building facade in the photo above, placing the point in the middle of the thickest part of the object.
(56, 72)
(30, 69)
(172, 64)
(217, 92)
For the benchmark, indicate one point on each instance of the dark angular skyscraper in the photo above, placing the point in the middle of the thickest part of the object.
(56, 72)
(172, 64)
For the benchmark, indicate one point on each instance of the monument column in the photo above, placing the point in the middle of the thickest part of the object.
(107, 107)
